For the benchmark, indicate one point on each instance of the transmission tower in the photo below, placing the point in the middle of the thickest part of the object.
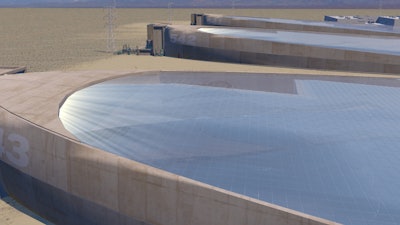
(234, 6)
(170, 12)
(110, 25)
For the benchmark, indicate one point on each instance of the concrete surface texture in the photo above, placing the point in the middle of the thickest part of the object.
(252, 134)
(144, 62)
(389, 20)
(350, 19)
(284, 48)
(9, 215)
(49, 170)
(11, 70)
(299, 25)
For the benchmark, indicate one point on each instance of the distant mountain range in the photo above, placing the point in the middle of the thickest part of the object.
(207, 3)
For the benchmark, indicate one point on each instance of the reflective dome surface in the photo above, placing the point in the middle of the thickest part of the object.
(381, 45)
(325, 146)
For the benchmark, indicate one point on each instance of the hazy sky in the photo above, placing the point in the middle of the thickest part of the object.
(337, 3)
(69, 1)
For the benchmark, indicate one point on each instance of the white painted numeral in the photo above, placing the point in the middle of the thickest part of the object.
(20, 147)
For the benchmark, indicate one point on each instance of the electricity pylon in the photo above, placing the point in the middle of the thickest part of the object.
(110, 25)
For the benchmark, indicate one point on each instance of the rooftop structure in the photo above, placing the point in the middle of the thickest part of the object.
(11, 70)
(179, 148)
(281, 48)
(280, 149)
(280, 42)
(350, 19)
(68, 181)
(389, 20)
(299, 25)
(324, 146)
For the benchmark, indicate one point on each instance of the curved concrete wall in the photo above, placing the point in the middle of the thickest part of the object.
(188, 42)
(220, 20)
(72, 183)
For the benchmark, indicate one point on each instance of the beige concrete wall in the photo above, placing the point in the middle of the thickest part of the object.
(11, 70)
(187, 35)
(300, 55)
(118, 184)
(158, 39)
(221, 20)
(131, 188)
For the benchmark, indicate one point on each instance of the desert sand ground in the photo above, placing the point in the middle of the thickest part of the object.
(75, 39)
(12, 215)
(57, 39)
(132, 62)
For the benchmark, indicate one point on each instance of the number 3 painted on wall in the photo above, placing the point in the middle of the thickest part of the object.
(20, 146)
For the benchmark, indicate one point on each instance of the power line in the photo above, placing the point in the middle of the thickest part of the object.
(110, 25)
(170, 12)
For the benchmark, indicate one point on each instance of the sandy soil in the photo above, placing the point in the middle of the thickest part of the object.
(12, 216)
(56, 39)
(133, 62)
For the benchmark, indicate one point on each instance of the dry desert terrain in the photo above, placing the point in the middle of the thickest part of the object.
(58, 39)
